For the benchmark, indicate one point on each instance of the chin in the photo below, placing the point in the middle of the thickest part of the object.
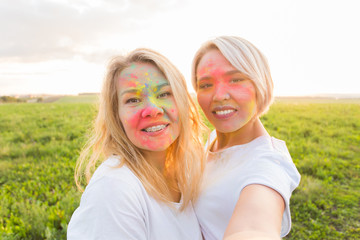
(156, 148)
(225, 130)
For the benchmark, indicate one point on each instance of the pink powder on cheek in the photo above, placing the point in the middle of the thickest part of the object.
(244, 93)
(240, 91)
(175, 115)
(249, 107)
(133, 119)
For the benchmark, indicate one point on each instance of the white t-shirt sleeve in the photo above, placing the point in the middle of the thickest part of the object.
(109, 209)
(278, 172)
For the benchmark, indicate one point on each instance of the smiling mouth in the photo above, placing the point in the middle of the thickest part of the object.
(224, 112)
(156, 128)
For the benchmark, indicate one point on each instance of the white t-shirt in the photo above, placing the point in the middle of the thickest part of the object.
(115, 205)
(265, 161)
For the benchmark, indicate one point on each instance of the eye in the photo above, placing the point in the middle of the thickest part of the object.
(132, 100)
(164, 95)
(205, 85)
(236, 80)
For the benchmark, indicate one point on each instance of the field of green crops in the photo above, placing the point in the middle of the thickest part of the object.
(40, 142)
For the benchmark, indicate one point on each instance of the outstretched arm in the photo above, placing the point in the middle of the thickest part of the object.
(257, 214)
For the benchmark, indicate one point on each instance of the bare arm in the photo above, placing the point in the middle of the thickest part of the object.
(257, 214)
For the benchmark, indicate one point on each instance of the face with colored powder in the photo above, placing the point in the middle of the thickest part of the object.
(227, 96)
(147, 107)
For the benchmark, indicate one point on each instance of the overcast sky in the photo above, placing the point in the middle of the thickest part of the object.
(62, 46)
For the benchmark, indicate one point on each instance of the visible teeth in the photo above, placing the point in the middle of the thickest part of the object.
(224, 112)
(155, 128)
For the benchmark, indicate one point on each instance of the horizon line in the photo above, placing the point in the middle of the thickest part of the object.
(319, 95)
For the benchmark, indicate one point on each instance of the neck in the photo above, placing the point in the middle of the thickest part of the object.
(246, 134)
(157, 159)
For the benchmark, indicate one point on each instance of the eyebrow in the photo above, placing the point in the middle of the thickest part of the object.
(233, 72)
(204, 78)
(136, 90)
(131, 90)
(158, 87)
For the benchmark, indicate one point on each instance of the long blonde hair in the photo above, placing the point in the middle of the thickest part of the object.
(185, 156)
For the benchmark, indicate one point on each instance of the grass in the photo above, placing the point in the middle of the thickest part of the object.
(39, 145)
(324, 141)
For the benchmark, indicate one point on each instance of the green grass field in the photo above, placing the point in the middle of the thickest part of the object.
(39, 145)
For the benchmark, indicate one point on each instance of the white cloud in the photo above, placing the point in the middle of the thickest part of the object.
(46, 30)
(312, 46)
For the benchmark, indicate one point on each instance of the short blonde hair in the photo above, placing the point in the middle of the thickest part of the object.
(246, 58)
(185, 156)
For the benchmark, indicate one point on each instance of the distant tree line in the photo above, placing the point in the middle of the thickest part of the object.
(8, 99)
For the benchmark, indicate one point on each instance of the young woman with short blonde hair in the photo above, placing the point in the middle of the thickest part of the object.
(249, 175)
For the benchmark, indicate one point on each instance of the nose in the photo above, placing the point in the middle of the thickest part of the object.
(152, 110)
(221, 93)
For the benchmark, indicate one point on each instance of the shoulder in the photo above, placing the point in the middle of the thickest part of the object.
(269, 149)
(111, 180)
(113, 186)
(114, 168)
(113, 200)
(272, 154)
(107, 200)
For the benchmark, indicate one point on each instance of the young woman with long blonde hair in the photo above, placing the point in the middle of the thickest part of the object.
(143, 163)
